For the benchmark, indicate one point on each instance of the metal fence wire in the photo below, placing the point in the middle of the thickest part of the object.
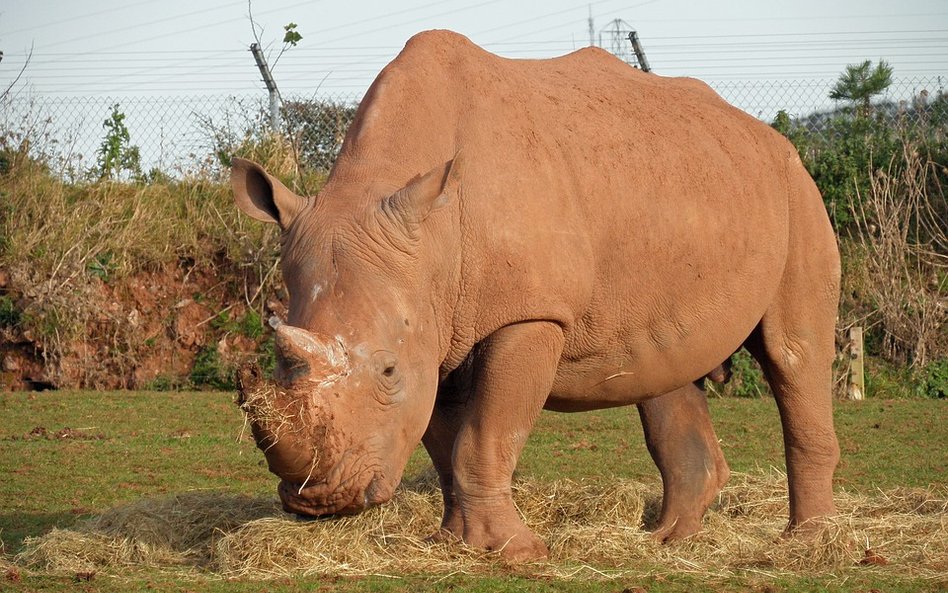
(186, 135)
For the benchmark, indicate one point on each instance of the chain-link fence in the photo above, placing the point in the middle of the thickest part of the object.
(84, 137)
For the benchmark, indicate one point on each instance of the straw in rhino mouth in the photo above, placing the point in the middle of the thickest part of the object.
(257, 399)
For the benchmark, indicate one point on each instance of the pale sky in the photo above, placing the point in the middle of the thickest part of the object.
(136, 47)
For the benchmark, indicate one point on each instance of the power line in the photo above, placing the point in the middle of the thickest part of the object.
(100, 34)
(653, 41)
(428, 17)
(378, 17)
(233, 65)
(571, 22)
(74, 18)
(799, 34)
(413, 21)
(792, 18)
(186, 61)
(536, 18)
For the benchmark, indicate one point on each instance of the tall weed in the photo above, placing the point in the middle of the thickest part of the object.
(896, 277)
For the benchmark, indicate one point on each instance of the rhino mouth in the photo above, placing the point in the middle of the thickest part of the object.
(308, 501)
(352, 495)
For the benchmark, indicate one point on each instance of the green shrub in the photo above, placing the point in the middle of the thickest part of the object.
(163, 383)
(10, 315)
(251, 325)
(266, 356)
(747, 379)
(933, 380)
(209, 370)
(116, 153)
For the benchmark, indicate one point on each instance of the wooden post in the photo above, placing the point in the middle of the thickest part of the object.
(857, 377)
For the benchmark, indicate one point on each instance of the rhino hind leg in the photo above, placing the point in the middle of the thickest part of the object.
(801, 381)
(439, 442)
(684, 447)
(795, 344)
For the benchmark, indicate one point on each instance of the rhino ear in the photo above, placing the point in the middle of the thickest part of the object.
(262, 196)
(426, 193)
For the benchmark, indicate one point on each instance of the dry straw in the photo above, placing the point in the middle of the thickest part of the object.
(594, 529)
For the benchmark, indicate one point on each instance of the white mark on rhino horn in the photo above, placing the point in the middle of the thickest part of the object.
(328, 360)
(302, 341)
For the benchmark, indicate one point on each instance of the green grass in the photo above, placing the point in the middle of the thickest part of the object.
(512, 583)
(128, 445)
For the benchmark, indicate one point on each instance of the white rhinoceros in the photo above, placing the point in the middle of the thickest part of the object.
(502, 236)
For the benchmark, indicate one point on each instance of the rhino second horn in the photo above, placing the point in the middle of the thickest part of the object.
(307, 353)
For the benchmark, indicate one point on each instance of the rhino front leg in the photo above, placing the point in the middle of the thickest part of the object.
(682, 442)
(513, 378)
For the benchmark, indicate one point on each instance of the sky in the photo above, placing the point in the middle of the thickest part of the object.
(116, 47)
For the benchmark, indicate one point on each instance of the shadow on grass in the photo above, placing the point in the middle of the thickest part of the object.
(15, 527)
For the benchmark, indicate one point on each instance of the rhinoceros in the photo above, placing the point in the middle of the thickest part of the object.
(501, 236)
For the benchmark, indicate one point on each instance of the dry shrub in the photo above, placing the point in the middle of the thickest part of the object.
(900, 259)
(593, 528)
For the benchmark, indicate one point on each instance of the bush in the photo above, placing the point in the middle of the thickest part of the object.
(897, 275)
(9, 313)
(882, 170)
(933, 380)
(318, 129)
(747, 379)
(209, 370)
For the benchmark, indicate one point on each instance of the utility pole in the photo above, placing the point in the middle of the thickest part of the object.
(271, 87)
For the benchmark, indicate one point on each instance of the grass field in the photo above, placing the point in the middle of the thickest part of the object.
(68, 455)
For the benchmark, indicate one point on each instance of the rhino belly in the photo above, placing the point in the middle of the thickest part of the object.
(630, 349)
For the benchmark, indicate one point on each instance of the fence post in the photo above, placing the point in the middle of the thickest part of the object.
(271, 87)
(857, 378)
(639, 52)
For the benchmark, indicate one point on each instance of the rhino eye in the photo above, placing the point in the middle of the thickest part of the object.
(389, 379)
(386, 366)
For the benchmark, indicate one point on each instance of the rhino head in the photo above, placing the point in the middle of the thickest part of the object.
(358, 356)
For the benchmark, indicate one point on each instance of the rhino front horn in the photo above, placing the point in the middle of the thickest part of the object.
(300, 353)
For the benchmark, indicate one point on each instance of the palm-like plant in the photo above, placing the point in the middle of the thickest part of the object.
(861, 82)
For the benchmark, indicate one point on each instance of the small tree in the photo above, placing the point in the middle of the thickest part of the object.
(116, 153)
(860, 83)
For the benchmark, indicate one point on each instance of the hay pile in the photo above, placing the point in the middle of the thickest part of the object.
(593, 528)
(175, 530)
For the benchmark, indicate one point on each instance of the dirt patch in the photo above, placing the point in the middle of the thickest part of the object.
(41, 433)
(143, 331)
